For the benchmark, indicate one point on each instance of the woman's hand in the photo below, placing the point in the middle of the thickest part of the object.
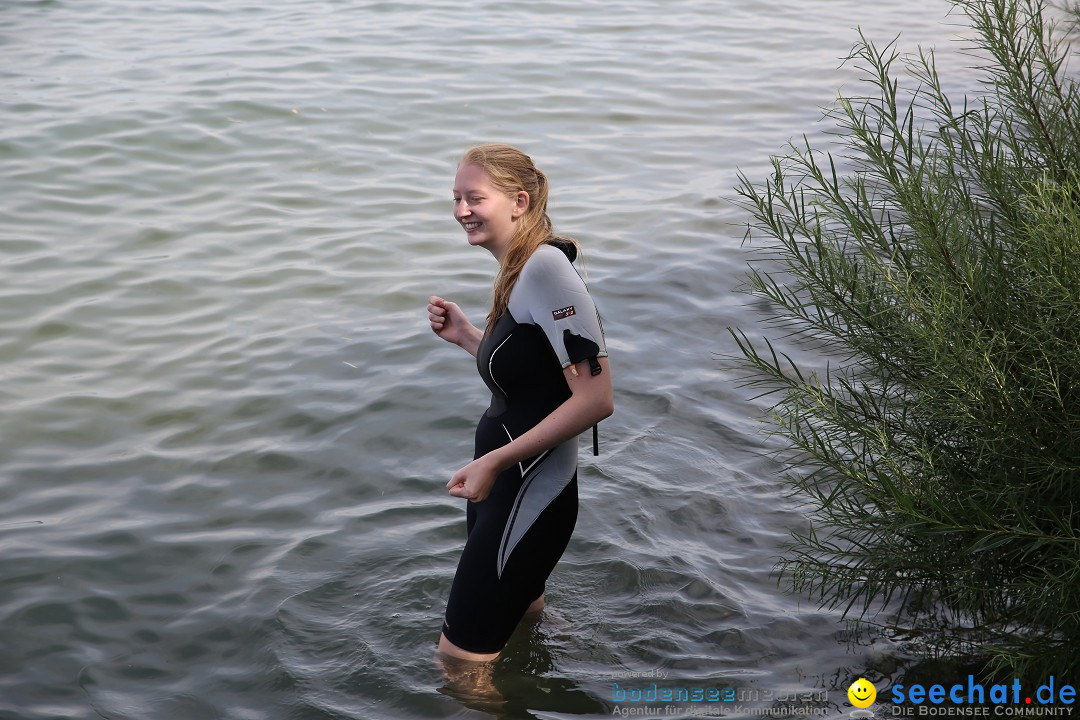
(448, 321)
(473, 482)
(590, 402)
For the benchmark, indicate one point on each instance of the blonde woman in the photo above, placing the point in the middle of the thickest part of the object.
(542, 355)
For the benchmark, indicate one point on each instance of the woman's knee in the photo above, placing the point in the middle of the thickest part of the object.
(450, 649)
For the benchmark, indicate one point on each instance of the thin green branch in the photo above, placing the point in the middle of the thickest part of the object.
(940, 458)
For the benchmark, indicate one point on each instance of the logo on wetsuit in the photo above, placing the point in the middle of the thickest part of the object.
(563, 312)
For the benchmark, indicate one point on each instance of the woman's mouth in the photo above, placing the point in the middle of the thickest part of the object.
(470, 226)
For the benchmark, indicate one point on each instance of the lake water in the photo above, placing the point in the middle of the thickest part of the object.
(227, 428)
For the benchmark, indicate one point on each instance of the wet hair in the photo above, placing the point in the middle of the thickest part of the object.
(512, 171)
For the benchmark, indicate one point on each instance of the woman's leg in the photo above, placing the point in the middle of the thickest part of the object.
(448, 648)
(536, 606)
(488, 600)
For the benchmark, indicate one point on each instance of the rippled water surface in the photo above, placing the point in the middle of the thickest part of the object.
(227, 427)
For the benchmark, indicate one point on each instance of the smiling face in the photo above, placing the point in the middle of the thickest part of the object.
(487, 214)
(862, 693)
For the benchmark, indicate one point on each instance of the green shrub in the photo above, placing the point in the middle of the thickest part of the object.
(940, 451)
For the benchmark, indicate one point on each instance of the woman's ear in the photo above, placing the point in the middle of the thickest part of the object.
(521, 204)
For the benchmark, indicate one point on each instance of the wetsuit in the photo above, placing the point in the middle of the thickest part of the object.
(517, 534)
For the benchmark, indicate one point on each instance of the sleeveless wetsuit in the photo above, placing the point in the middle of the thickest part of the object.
(518, 533)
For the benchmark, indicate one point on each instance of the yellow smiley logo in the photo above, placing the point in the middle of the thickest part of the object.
(862, 693)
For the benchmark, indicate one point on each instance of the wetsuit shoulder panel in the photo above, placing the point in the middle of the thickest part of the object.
(551, 294)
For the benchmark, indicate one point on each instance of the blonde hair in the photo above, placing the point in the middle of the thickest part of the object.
(512, 171)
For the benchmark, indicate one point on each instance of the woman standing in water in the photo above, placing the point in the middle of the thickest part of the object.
(543, 357)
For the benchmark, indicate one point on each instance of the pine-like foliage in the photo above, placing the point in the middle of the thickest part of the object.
(941, 271)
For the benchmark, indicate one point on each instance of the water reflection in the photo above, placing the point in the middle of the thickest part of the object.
(226, 426)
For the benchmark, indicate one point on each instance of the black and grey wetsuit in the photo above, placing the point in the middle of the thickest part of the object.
(517, 534)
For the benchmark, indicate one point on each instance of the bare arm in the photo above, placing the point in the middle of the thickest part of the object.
(448, 321)
(591, 401)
